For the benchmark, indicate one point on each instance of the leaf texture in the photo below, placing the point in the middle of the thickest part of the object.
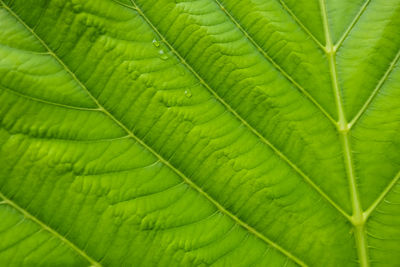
(199, 133)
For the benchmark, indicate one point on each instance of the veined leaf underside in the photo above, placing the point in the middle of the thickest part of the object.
(195, 132)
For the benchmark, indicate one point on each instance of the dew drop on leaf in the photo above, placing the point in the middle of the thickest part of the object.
(156, 43)
(188, 93)
(163, 56)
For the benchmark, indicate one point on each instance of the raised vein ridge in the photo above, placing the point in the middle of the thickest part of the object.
(276, 65)
(357, 218)
(63, 239)
(376, 90)
(301, 24)
(353, 23)
(45, 101)
(306, 178)
(382, 196)
(161, 159)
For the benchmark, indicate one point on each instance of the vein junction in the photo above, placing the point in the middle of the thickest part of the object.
(358, 218)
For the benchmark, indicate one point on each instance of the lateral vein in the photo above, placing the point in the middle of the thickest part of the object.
(276, 65)
(50, 230)
(161, 159)
(376, 90)
(32, 98)
(298, 21)
(382, 196)
(306, 178)
(353, 23)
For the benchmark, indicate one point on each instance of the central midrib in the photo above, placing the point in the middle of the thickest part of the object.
(358, 219)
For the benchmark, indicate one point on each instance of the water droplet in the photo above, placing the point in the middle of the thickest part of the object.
(188, 93)
(156, 43)
(163, 56)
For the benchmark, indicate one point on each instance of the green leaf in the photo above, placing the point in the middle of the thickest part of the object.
(199, 133)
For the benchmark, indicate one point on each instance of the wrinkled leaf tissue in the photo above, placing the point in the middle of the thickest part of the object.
(199, 133)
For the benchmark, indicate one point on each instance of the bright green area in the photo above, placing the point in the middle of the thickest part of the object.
(199, 133)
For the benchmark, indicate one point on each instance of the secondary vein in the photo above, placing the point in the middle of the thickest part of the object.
(301, 24)
(376, 90)
(50, 230)
(382, 196)
(353, 23)
(160, 158)
(276, 65)
(306, 178)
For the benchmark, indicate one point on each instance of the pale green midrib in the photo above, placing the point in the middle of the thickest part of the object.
(63, 239)
(298, 21)
(357, 219)
(379, 199)
(364, 108)
(164, 161)
(276, 65)
(243, 121)
(353, 23)
(375, 91)
(360, 234)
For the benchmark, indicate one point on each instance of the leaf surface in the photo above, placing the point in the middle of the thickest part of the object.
(199, 133)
